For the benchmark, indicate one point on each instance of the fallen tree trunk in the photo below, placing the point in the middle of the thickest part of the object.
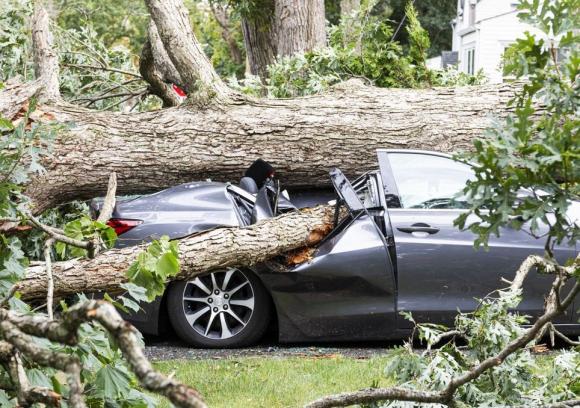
(210, 250)
(301, 137)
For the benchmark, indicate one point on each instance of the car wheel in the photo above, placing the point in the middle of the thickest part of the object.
(229, 308)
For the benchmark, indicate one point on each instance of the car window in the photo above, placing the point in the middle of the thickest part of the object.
(430, 182)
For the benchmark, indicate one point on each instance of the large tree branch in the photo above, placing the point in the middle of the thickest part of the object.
(199, 78)
(45, 59)
(218, 248)
(154, 150)
(158, 70)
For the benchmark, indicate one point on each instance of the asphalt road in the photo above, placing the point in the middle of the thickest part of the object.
(172, 348)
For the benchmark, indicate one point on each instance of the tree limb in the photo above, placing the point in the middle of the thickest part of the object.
(213, 249)
(14, 325)
(150, 73)
(446, 395)
(45, 59)
(57, 234)
(27, 395)
(199, 78)
(45, 357)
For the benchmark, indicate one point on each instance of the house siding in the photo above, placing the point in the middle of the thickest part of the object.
(495, 27)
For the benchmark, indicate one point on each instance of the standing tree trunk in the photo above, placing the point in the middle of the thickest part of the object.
(260, 46)
(45, 60)
(299, 26)
(283, 28)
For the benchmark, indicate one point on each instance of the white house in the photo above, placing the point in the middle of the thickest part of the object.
(481, 32)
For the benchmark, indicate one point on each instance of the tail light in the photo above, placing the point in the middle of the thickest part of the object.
(121, 226)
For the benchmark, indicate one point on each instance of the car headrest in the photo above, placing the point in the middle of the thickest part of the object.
(248, 184)
(260, 170)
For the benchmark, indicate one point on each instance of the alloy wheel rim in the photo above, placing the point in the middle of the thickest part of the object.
(219, 305)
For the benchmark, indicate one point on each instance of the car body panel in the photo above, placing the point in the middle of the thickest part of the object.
(177, 212)
(346, 292)
(462, 273)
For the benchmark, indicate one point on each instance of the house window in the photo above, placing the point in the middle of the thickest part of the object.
(470, 61)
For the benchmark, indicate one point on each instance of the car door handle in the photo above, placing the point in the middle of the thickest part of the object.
(419, 227)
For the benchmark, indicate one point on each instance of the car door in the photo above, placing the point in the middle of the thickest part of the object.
(439, 271)
(346, 291)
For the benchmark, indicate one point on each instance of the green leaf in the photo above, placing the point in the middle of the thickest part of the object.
(38, 378)
(6, 124)
(111, 382)
(153, 266)
(6, 401)
(167, 266)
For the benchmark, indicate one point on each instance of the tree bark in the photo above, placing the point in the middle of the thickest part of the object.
(214, 249)
(288, 27)
(199, 78)
(299, 26)
(303, 138)
(154, 78)
(162, 62)
(260, 45)
(45, 59)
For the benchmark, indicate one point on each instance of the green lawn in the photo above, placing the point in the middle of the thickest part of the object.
(274, 382)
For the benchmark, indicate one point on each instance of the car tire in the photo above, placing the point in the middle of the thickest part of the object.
(223, 309)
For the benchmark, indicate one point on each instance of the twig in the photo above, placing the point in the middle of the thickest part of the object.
(57, 235)
(442, 336)
(28, 395)
(68, 363)
(49, 279)
(106, 212)
(104, 68)
(108, 96)
(563, 336)
(143, 92)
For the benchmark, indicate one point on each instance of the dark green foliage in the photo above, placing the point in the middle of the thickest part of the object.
(435, 16)
(116, 23)
(15, 58)
(359, 47)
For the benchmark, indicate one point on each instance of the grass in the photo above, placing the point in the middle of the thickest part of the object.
(275, 382)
